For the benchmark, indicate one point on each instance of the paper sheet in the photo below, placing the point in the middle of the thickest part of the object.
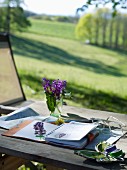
(72, 131)
(18, 116)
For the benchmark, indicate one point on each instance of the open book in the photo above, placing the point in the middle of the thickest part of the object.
(73, 135)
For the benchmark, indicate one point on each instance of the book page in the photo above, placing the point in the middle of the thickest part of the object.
(19, 116)
(29, 132)
(26, 130)
(72, 131)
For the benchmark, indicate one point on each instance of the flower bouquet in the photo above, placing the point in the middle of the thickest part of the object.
(55, 91)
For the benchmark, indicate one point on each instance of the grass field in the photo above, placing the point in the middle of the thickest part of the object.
(52, 28)
(96, 77)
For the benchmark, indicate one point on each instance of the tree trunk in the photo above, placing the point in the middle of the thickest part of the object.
(8, 17)
(104, 26)
(97, 32)
(111, 33)
(117, 32)
(124, 37)
(104, 33)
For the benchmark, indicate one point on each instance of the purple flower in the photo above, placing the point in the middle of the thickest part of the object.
(39, 129)
(55, 88)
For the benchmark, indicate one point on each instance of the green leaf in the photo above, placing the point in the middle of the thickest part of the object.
(51, 102)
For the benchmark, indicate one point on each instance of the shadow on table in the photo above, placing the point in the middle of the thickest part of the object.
(75, 117)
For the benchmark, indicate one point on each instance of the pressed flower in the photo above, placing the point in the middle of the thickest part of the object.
(39, 129)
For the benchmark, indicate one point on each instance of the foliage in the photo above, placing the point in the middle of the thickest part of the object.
(2, 19)
(18, 20)
(12, 3)
(12, 16)
(105, 30)
(29, 13)
(116, 4)
(65, 19)
(84, 27)
(42, 17)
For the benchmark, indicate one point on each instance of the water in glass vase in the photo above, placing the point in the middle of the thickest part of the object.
(58, 108)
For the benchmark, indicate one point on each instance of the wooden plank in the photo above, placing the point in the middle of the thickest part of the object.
(47, 154)
(41, 108)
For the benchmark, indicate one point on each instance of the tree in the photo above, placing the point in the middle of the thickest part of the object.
(116, 4)
(84, 28)
(97, 23)
(124, 31)
(111, 24)
(105, 20)
(101, 17)
(13, 16)
(2, 19)
(18, 20)
(117, 31)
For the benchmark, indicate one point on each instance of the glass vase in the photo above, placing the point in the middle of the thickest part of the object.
(58, 108)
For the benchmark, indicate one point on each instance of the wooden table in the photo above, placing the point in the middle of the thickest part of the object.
(57, 157)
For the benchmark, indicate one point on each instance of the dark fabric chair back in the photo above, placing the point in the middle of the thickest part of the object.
(11, 91)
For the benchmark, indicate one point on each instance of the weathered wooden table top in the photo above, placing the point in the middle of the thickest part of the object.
(58, 156)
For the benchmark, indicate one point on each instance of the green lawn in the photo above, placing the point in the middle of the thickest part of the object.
(52, 28)
(96, 77)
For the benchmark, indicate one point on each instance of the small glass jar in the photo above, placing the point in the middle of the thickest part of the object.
(58, 108)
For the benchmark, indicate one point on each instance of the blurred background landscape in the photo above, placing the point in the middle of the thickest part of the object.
(74, 41)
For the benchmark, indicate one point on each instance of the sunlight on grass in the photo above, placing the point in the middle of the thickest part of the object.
(52, 28)
(97, 77)
(88, 74)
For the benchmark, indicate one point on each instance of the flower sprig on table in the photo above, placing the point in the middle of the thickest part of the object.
(39, 129)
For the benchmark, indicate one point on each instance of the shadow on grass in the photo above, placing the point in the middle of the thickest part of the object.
(34, 82)
(99, 100)
(122, 52)
(41, 51)
(84, 96)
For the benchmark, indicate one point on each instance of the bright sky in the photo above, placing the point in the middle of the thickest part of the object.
(54, 7)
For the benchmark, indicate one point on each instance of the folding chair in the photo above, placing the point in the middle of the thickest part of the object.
(11, 93)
